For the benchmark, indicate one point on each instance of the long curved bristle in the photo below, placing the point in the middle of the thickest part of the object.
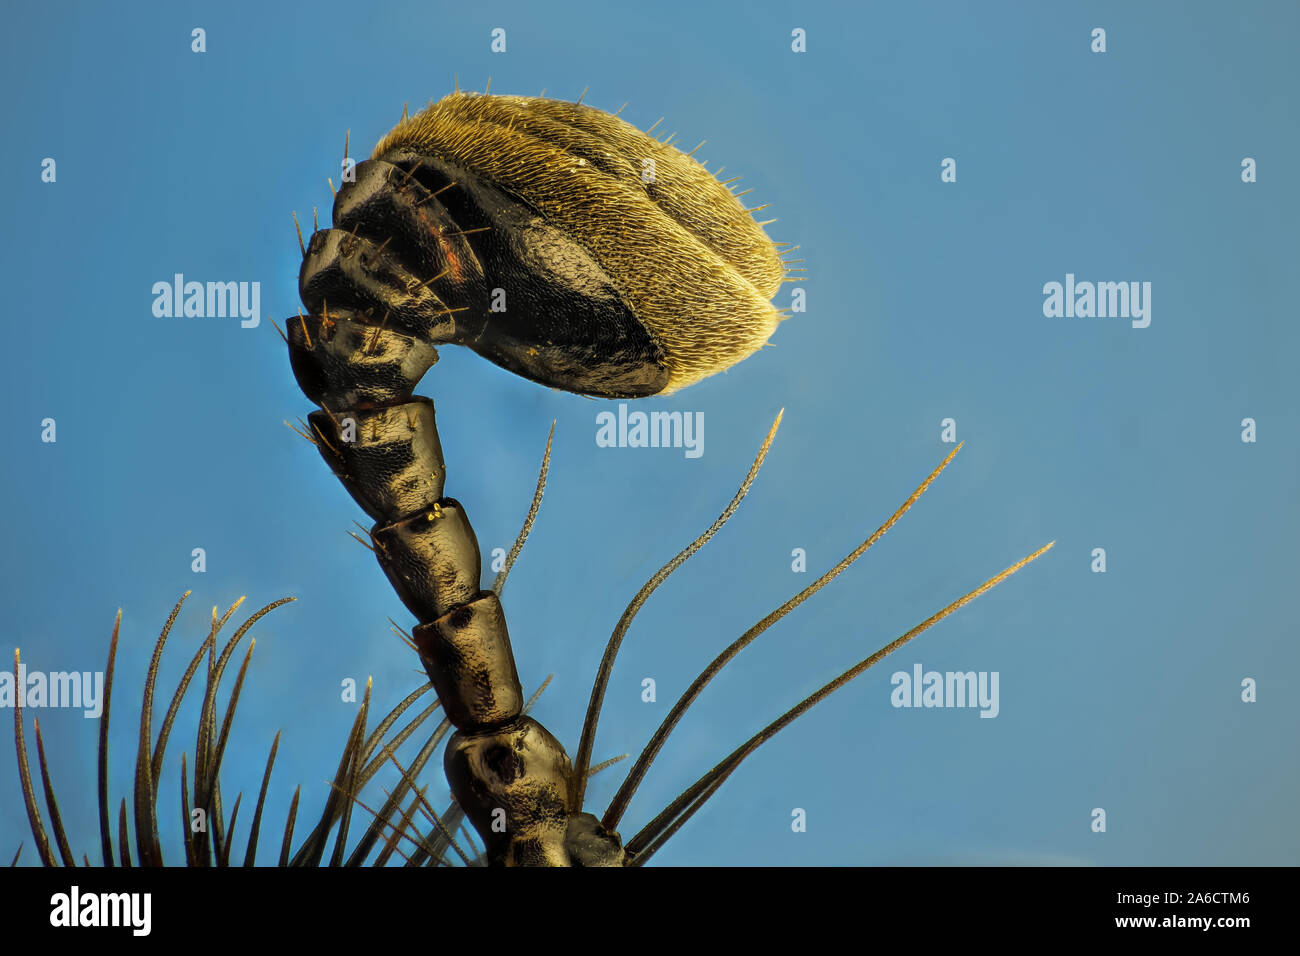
(313, 849)
(123, 843)
(391, 841)
(223, 739)
(288, 827)
(634, 777)
(250, 854)
(56, 821)
(583, 759)
(392, 803)
(340, 842)
(148, 847)
(429, 812)
(185, 817)
(641, 847)
(164, 732)
(209, 748)
(500, 583)
(224, 859)
(105, 826)
(25, 775)
(377, 735)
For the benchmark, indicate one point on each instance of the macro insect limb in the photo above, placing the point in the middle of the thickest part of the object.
(641, 847)
(618, 805)
(393, 468)
(548, 195)
(434, 844)
(453, 819)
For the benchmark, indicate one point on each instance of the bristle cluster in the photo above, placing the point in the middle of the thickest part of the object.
(391, 830)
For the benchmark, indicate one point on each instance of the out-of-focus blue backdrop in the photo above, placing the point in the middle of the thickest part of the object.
(1119, 690)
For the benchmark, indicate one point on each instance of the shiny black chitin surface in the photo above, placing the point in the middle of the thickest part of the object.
(563, 245)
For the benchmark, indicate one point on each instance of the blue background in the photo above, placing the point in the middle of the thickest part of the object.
(1118, 690)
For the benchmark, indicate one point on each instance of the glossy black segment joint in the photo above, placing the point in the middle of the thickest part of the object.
(520, 770)
(388, 458)
(355, 274)
(349, 361)
(471, 664)
(390, 206)
(431, 559)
